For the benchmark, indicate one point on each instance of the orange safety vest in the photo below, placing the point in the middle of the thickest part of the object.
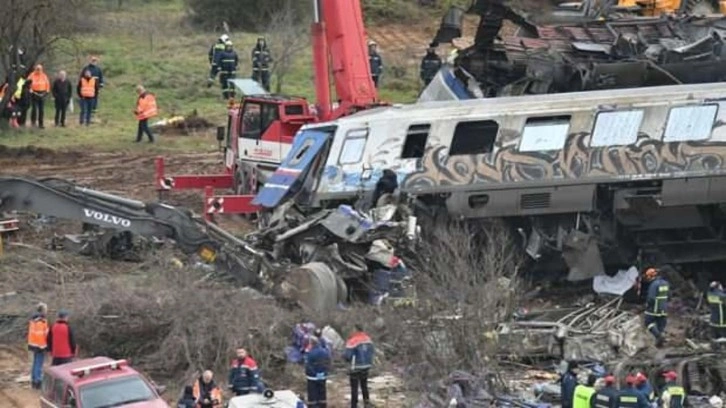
(146, 106)
(2, 90)
(88, 87)
(38, 333)
(216, 394)
(40, 82)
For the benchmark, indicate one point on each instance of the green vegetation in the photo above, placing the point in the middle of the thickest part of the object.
(151, 42)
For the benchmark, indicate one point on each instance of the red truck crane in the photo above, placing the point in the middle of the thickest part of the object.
(261, 128)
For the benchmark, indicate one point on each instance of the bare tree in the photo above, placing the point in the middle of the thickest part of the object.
(287, 37)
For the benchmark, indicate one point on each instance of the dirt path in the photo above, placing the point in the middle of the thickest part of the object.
(14, 388)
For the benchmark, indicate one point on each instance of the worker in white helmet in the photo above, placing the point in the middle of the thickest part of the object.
(214, 52)
(375, 62)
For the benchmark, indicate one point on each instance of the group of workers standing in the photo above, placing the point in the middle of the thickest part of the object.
(57, 339)
(224, 61)
(637, 392)
(244, 374)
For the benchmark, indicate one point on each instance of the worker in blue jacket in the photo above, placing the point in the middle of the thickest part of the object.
(568, 382)
(359, 353)
(630, 397)
(244, 375)
(716, 298)
(656, 315)
(227, 62)
(317, 364)
(642, 384)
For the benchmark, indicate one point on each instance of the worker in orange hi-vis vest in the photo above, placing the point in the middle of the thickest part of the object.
(38, 343)
(145, 110)
(39, 89)
(87, 91)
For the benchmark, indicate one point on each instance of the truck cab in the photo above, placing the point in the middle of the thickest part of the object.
(96, 383)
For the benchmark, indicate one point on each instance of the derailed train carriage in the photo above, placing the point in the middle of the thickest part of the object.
(591, 180)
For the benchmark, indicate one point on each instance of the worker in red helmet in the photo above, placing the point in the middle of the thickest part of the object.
(607, 396)
(629, 397)
(642, 384)
(656, 314)
(673, 395)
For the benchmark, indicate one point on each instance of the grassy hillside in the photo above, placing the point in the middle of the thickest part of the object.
(150, 43)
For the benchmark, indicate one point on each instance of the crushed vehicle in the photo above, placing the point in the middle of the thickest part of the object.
(590, 181)
(569, 57)
(308, 261)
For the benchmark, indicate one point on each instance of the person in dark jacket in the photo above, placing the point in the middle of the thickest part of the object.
(61, 342)
(716, 299)
(206, 392)
(187, 399)
(317, 364)
(375, 61)
(387, 184)
(214, 51)
(568, 382)
(97, 74)
(227, 62)
(672, 395)
(607, 396)
(642, 384)
(359, 352)
(430, 65)
(62, 94)
(656, 307)
(630, 397)
(261, 60)
(244, 376)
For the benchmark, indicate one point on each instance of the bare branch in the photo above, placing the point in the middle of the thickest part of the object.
(287, 37)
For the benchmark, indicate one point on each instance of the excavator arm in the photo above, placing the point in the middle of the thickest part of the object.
(63, 199)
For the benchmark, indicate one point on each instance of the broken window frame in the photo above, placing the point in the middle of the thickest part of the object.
(415, 130)
(488, 139)
(351, 136)
(545, 144)
(692, 118)
(617, 141)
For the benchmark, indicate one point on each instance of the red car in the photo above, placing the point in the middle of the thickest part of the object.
(98, 382)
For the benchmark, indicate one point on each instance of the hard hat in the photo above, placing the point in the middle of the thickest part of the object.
(228, 43)
(650, 273)
(640, 378)
(670, 375)
(371, 42)
(609, 379)
(630, 379)
(715, 284)
(224, 37)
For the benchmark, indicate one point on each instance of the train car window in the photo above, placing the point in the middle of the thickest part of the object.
(415, 143)
(686, 123)
(616, 128)
(476, 137)
(353, 146)
(544, 133)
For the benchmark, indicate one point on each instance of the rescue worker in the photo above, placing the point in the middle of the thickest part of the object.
(61, 342)
(38, 343)
(317, 365)
(607, 396)
(244, 376)
(145, 110)
(568, 383)
(187, 399)
(716, 298)
(387, 184)
(39, 89)
(375, 62)
(227, 61)
(261, 60)
(359, 352)
(62, 93)
(214, 52)
(629, 397)
(673, 395)
(642, 384)
(583, 396)
(87, 90)
(21, 99)
(430, 64)
(656, 315)
(97, 74)
(206, 392)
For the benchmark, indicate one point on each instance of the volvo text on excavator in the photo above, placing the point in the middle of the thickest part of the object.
(261, 128)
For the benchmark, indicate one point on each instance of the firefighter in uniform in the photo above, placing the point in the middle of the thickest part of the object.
(261, 60)
(430, 65)
(642, 384)
(244, 376)
(716, 298)
(375, 61)
(214, 52)
(656, 315)
(227, 61)
(584, 394)
(673, 395)
(607, 396)
(629, 397)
